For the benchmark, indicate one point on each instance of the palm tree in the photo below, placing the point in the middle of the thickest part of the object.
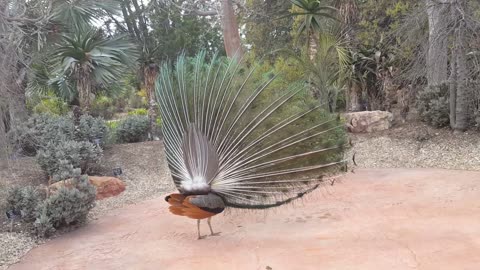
(330, 77)
(312, 11)
(86, 60)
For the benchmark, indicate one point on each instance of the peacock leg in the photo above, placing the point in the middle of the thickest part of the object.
(210, 226)
(198, 230)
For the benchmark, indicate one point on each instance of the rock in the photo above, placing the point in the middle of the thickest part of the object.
(106, 186)
(368, 121)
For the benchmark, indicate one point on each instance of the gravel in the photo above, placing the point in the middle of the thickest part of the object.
(13, 246)
(146, 174)
(417, 146)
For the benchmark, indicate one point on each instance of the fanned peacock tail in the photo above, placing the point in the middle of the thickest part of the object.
(242, 136)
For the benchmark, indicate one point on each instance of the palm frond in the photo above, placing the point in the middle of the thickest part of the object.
(107, 60)
(79, 15)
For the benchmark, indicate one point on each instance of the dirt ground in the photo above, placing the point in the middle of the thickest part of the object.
(412, 145)
(373, 219)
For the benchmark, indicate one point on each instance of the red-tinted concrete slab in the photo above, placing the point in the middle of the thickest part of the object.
(384, 219)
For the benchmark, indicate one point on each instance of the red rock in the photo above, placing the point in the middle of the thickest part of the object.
(106, 186)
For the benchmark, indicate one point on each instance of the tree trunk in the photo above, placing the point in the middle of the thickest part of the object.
(150, 73)
(3, 130)
(437, 65)
(231, 35)
(84, 88)
(452, 86)
(355, 97)
(462, 112)
(312, 46)
(17, 101)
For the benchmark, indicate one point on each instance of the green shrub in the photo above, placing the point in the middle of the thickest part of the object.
(112, 124)
(140, 111)
(60, 159)
(158, 121)
(69, 205)
(134, 128)
(51, 105)
(103, 107)
(24, 200)
(137, 100)
(432, 105)
(43, 223)
(90, 129)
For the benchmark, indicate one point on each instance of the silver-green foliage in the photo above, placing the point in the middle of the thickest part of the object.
(68, 205)
(38, 131)
(61, 147)
(90, 129)
(24, 201)
(59, 159)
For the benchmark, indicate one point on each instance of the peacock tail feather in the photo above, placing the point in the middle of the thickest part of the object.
(232, 131)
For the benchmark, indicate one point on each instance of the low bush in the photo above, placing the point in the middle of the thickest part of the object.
(68, 205)
(91, 129)
(134, 128)
(27, 138)
(60, 159)
(432, 105)
(24, 201)
(59, 145)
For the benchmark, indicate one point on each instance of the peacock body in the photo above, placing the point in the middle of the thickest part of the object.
(239, 138)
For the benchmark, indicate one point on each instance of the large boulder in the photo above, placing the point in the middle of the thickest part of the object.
(106, 186)
(368, 121)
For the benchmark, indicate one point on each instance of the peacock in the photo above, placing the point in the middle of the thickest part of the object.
(239, 136)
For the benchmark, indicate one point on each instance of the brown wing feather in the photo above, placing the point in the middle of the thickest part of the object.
(175, 199)
(180, 205)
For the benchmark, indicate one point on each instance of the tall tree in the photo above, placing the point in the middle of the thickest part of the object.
(224, 10)
(348, 13)
(22, 30)
(437, 63)
(231, 35)
(460, 95)
(264, 34)
(313, 13)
